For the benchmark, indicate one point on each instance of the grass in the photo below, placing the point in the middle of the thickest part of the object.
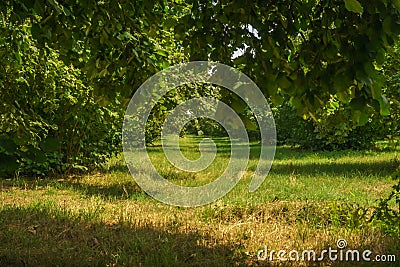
(308, 201)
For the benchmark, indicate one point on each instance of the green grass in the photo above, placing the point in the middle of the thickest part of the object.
(359, 177)
(309, 200)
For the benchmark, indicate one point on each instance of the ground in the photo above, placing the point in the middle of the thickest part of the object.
(308, 201)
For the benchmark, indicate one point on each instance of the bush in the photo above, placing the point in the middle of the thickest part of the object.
(51, 121)
(332, 131)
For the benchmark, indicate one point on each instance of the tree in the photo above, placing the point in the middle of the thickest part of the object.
(307, 50)
(66, 68)
(50, 119)
(391, 70)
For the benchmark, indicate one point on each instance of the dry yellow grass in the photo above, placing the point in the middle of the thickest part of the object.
(208, 235)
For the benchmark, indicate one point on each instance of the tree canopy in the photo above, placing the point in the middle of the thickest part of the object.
(321, 57)
(307, 50)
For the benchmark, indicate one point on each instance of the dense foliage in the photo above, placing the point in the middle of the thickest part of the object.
(326, 133)
(69, 67)
(337, 126)
(50, 119)
(305, 50)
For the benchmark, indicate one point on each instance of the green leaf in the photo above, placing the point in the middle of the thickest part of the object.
(103, 73)
(342, 82)
(249, 124)
(343, 96)
(18, 58)
(358, 103)
(162, 53)
(36, 30)
(7, 145)
(39, 7)
(363, 77)
(238, 104)
(277, 99)
(353, 6)
(50, 144)
(103, 37)
(56, 6)
(8, 165)
(125, 36)
(384, 106)
(396, 3)
(165, 64)
(284, 83)
(39, 156)
(179, 31)
(376, 91)
(381, 56)
(240, 60)
(386, 25)
(362, 119)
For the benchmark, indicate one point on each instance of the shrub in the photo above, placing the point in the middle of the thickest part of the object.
(51, 120)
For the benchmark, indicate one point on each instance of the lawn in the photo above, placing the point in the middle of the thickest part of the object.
(308, 201)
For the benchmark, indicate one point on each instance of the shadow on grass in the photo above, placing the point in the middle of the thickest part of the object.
(40, 236)
(288, 161)
(120, 167)
(127, 190)
(381, 169)
(111, 191)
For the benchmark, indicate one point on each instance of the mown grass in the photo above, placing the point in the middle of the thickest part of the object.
(308, 201)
